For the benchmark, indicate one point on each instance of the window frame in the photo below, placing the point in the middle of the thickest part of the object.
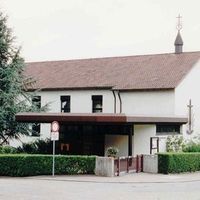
(67, 99)
(36, 127)
(37, 101)
(36, 130)
(96, 99)
(161, 129)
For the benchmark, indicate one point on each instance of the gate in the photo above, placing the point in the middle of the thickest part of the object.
(128, 164)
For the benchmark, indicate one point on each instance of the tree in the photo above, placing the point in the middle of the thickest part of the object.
(13, 85)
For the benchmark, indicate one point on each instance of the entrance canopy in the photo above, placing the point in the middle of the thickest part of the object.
(96, 118)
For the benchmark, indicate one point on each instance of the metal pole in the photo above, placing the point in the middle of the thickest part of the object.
(53, 167)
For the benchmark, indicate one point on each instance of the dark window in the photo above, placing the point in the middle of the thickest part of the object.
(65, 103)
(36, 130)
(36, 100)
(167, 129)
(97, 103)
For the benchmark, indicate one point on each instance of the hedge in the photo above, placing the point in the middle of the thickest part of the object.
(32, 165)
(178, 162)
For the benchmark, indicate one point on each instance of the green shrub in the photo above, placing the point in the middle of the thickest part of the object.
(37, 147)
(112, 151)
(192, 147)
(32, 165)
(178, 162)
(7, 149)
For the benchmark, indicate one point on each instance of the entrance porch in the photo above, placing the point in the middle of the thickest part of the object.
(91, 134)
(90, 139)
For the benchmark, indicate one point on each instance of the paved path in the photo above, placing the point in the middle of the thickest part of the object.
(134, 187)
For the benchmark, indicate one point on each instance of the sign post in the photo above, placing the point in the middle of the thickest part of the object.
(54, 137)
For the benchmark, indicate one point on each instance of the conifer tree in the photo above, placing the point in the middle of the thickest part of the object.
(13, 85)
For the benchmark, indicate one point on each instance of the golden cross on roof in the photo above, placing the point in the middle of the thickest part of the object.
(179, 23)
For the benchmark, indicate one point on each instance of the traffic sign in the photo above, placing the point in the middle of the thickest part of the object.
(54, 136)
(55, 126)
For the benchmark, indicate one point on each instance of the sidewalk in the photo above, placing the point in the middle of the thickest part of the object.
(128, 178)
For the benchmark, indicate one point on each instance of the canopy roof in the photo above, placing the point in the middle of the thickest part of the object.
(96, 118)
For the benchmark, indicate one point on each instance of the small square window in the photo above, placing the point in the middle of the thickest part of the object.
(97, 103)
(65, 104)
(36, 130)
(36, 100)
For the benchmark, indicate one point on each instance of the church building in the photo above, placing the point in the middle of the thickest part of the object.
(131, 102)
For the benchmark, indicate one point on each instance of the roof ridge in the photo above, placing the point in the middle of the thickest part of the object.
(111, 57)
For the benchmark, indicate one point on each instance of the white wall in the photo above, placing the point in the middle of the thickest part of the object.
(81, 101)
(119, 141)
(142, 134)
(154, 103)
(189, 89)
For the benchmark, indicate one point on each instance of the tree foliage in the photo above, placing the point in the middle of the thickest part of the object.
(13, 84)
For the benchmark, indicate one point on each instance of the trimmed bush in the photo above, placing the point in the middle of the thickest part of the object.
(178, 162)
(192, 147)
(32, 165)
(7, 149)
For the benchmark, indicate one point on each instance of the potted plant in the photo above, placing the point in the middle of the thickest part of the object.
(112, 151)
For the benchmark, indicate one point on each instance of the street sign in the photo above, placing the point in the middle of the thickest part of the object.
(55, 126)
(54, 136)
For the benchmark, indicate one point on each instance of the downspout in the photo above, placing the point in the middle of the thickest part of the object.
(114, 100)
(120, 101)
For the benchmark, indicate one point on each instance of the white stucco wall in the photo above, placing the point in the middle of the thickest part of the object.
(81, 101)
(152, 103)
(142, 134)
(119, 141)
(186, 90)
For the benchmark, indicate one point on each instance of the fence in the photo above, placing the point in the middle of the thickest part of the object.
(128, 164)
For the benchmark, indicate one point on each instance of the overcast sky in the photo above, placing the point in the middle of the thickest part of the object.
(69, 29)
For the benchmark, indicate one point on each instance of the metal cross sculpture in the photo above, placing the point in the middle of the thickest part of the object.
(179, 23)
(190, 118)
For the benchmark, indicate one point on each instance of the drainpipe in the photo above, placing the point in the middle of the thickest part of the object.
(120, 101)
(114, 100)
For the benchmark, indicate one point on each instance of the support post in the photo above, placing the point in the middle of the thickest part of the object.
(137, 164)
(142, 162)
(130, 137)
(118, 166)
(127, 162)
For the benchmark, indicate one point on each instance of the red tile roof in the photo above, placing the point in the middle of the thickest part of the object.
(161, 71)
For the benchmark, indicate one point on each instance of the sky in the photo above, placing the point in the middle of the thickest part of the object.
(73, 29)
